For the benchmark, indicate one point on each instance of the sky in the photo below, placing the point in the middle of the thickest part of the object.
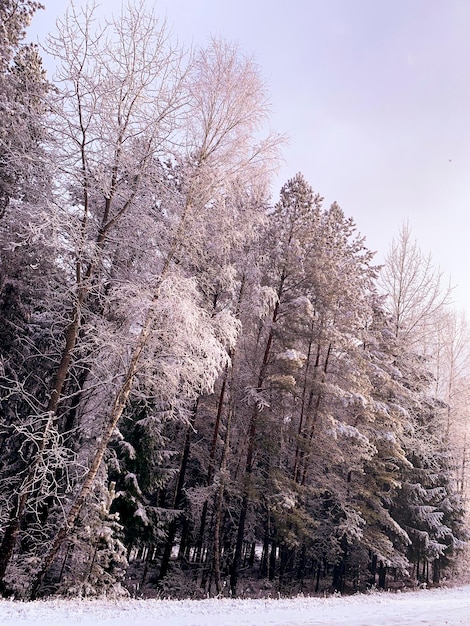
(374, 96)
(428, 607)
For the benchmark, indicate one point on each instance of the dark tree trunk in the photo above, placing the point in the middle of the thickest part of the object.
(177, 498)
(339, 570)
(263, 568)
(7, 548)
(235, 569)
(373, 570)
(317, 581)
(301, 564)
(210, 473)
(283, 559)
(272, 561)
(382, 576)
(251, 450)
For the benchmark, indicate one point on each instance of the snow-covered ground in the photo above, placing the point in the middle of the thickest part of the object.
(436, 607)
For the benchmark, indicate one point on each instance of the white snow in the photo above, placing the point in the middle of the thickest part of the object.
(427, 607)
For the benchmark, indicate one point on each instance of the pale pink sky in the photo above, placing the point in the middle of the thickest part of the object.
(375, 96)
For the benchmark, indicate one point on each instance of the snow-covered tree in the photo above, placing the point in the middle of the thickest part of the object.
(135, 228)
(428, 506)
(22, 89)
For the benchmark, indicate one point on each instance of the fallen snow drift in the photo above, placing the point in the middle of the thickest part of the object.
(433, 607)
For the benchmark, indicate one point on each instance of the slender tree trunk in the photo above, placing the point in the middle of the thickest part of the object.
(210, 472)
(283, 559)
(298, 451)
(373, 570)
(314, 418)
(64, 562)
(219, 509)
(238, 546)
(217, 532)
(263, 568)
(215, 435)
(178, 497)
(382, 576)
(148, 559)
(302, 562)
(306, 418)
(251, 449)
(272, 561)
(71, 335)
(317, 579)
(339, 570)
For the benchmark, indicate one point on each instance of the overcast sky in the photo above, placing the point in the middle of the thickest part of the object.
(375, 97)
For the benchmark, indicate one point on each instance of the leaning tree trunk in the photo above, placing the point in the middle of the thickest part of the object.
(115, 415)
(122, 396)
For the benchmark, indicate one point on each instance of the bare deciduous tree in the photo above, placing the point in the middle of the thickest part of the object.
(415, 290)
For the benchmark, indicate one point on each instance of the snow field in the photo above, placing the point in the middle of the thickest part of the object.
(429, 607)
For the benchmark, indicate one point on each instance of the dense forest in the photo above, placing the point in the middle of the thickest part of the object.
(205, 391)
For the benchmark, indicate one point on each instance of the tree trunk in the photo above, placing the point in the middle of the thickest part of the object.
(178, 497)
(339, 570)
(251, 449)
(8, 545)
(210, 472)
(272, 561)
(215, 434)
(317, 580)
(219, 508)
(382, 576)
